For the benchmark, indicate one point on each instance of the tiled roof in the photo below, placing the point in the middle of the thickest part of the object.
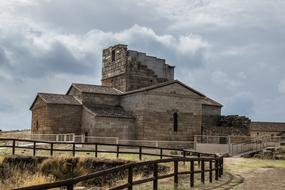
(58, 99)
(162, 85)
(205, 101)
(96, 89)
(210, 102)
(109, 111)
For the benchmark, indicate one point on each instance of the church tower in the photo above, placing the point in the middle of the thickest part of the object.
(128, 70)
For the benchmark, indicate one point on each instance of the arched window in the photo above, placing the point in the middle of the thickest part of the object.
(175, 122)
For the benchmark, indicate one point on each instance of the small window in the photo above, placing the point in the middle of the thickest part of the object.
(175, 122)
(113, 55)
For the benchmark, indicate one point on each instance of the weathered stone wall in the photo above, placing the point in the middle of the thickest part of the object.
(107, 126)
(115, 67)
(154, 113)
(76, 93)
(266, 128)
(128, 70)
(54, 118)
(100, 99)
(157, 65)
(119, 82)
(39, 115)
(114, 64)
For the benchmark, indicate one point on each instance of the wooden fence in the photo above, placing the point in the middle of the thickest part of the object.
(213, 162)
(119, 148)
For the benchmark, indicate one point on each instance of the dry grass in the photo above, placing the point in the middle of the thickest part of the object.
(21, 179)
(26, 171)
(15, 134)
(245, 164)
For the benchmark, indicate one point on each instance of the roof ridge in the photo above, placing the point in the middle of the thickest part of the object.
(47, 93)
(97, 85)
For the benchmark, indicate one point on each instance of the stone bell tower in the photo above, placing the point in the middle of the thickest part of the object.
(128, 70)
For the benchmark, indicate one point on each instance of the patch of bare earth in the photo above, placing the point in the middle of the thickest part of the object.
(263, 178)
(255, 174)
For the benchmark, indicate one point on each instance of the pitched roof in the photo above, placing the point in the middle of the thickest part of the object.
(109, 111)
(56, 99)
(206, 100)
(210, 102)
(89, 88)
(162, 85)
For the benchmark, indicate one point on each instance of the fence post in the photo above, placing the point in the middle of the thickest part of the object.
(175, 173)
(184, 156)
(34, 149)
(96, 150)
(210, 172)
(51, 149)
(14, 147)
(217, 169)
(199, 156)
(155, 176)
(118, 150)
(161, 153)
(73, 149)
(192, 173)
(221, 166)
(140, 153)
(69, 187)
(130, 178)
(203, 171)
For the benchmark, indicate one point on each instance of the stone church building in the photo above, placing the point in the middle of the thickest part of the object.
(138, 99)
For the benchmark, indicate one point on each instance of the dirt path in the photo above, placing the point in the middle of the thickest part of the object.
(263, 178)
(255, 174)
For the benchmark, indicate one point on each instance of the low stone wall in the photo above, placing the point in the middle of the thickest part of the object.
(267, 126)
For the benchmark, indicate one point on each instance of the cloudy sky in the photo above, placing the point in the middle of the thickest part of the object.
(231, 50)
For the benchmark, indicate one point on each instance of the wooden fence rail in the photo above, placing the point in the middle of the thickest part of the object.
(70, 183)
(12, 143)
(204, 162)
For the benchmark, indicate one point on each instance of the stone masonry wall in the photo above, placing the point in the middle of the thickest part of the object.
(76, 93)
(54, 119)
(128, 70)
(267, 128)
(107, 126)
(114, 67)
(39, 115)
(154, 113)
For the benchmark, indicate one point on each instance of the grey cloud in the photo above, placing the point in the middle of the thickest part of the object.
(231, 51)
(27, 60)
(241, 104)
(83, 16)
(3, 58)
